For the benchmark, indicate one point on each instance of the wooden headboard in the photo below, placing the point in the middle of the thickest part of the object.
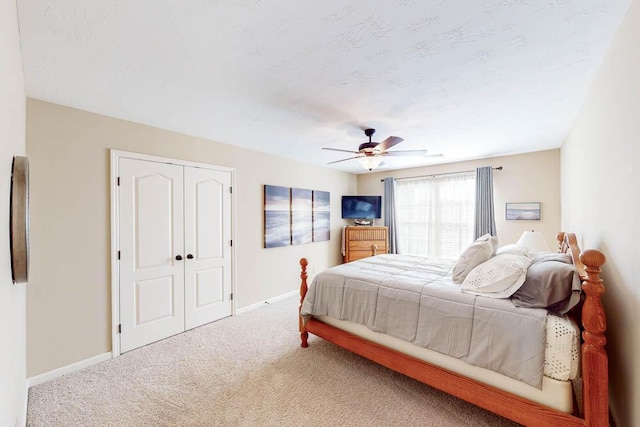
(568, 244)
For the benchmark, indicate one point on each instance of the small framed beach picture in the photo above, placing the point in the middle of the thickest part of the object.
(523, 211)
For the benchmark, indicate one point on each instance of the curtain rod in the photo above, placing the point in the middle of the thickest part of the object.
(499, 168)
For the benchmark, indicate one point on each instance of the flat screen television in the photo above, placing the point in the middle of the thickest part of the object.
(361, 207)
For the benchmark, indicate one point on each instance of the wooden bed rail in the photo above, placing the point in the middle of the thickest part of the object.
(594, 360)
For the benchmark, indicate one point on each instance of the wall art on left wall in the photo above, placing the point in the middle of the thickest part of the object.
(294, 216)
(321, 216)
(19, 220)
(277, 216)
(301, 216)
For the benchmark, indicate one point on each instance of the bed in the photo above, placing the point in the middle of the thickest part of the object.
(531, 397)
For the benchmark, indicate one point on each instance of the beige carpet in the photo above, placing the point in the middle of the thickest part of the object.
(247, 370)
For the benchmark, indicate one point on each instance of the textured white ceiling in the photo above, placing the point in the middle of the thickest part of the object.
(465, 78)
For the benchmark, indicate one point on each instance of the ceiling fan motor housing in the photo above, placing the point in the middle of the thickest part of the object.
(368, 147)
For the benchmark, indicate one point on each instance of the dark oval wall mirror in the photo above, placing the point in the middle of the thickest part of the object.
(19, 219)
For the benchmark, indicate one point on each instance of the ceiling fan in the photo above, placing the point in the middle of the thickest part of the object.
(370, 154)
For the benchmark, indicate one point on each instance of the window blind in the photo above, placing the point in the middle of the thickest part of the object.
(436, 215)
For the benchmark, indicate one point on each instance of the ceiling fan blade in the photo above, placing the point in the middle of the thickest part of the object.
(389, 142)
(344, 160)
(404, 153)
(344, 151)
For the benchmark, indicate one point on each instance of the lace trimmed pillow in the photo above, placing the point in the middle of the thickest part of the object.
(498, 277)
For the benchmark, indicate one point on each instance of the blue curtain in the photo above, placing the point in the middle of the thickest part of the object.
(390, 214)
(485, 221)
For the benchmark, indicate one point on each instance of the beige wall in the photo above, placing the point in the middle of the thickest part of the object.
(600, 177)
(12, 297)
(533, 177)
(69, 298)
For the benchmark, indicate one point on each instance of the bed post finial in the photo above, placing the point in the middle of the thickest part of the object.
(304, 335)
(594, 355)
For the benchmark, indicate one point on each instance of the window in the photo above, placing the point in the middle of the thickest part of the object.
(436, 215)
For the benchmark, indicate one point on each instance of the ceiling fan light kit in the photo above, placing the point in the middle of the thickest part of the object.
(370, 162)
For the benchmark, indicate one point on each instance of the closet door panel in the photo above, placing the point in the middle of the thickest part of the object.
(209, 287)
(151, 236)
(208, 241)
(209, 232)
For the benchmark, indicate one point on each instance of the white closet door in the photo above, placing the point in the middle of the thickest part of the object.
(151, 251)
(207, 205)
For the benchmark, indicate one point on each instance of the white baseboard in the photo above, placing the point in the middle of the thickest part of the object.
(56, 373)
(269, 301)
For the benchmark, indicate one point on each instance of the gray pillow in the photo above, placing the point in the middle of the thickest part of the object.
(552, 283)
(551, 256)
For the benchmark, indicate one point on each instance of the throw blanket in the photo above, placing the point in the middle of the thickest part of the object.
(414, 299)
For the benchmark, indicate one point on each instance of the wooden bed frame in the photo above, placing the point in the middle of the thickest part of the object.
(595, 396)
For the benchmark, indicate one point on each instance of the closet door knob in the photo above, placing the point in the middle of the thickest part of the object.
(189, 256)
(179, 257)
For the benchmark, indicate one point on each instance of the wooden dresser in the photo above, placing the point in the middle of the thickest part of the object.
(363, 241)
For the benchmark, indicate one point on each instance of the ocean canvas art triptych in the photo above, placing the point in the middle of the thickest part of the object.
(294, 216)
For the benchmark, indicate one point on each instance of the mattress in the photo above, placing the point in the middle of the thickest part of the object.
(561, 361)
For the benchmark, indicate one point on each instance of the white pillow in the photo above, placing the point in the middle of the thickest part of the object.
(514, 249)
(494, 241)
(499, 277)
(481, 250)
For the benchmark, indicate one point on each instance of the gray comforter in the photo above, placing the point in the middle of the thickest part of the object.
(414, 299)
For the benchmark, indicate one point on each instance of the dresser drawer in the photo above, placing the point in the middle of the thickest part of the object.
(364, 245)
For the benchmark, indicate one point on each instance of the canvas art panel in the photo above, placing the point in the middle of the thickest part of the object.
(321, 216)
(277, 216)
(301, 216)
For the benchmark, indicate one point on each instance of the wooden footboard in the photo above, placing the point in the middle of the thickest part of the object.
(594, 357)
